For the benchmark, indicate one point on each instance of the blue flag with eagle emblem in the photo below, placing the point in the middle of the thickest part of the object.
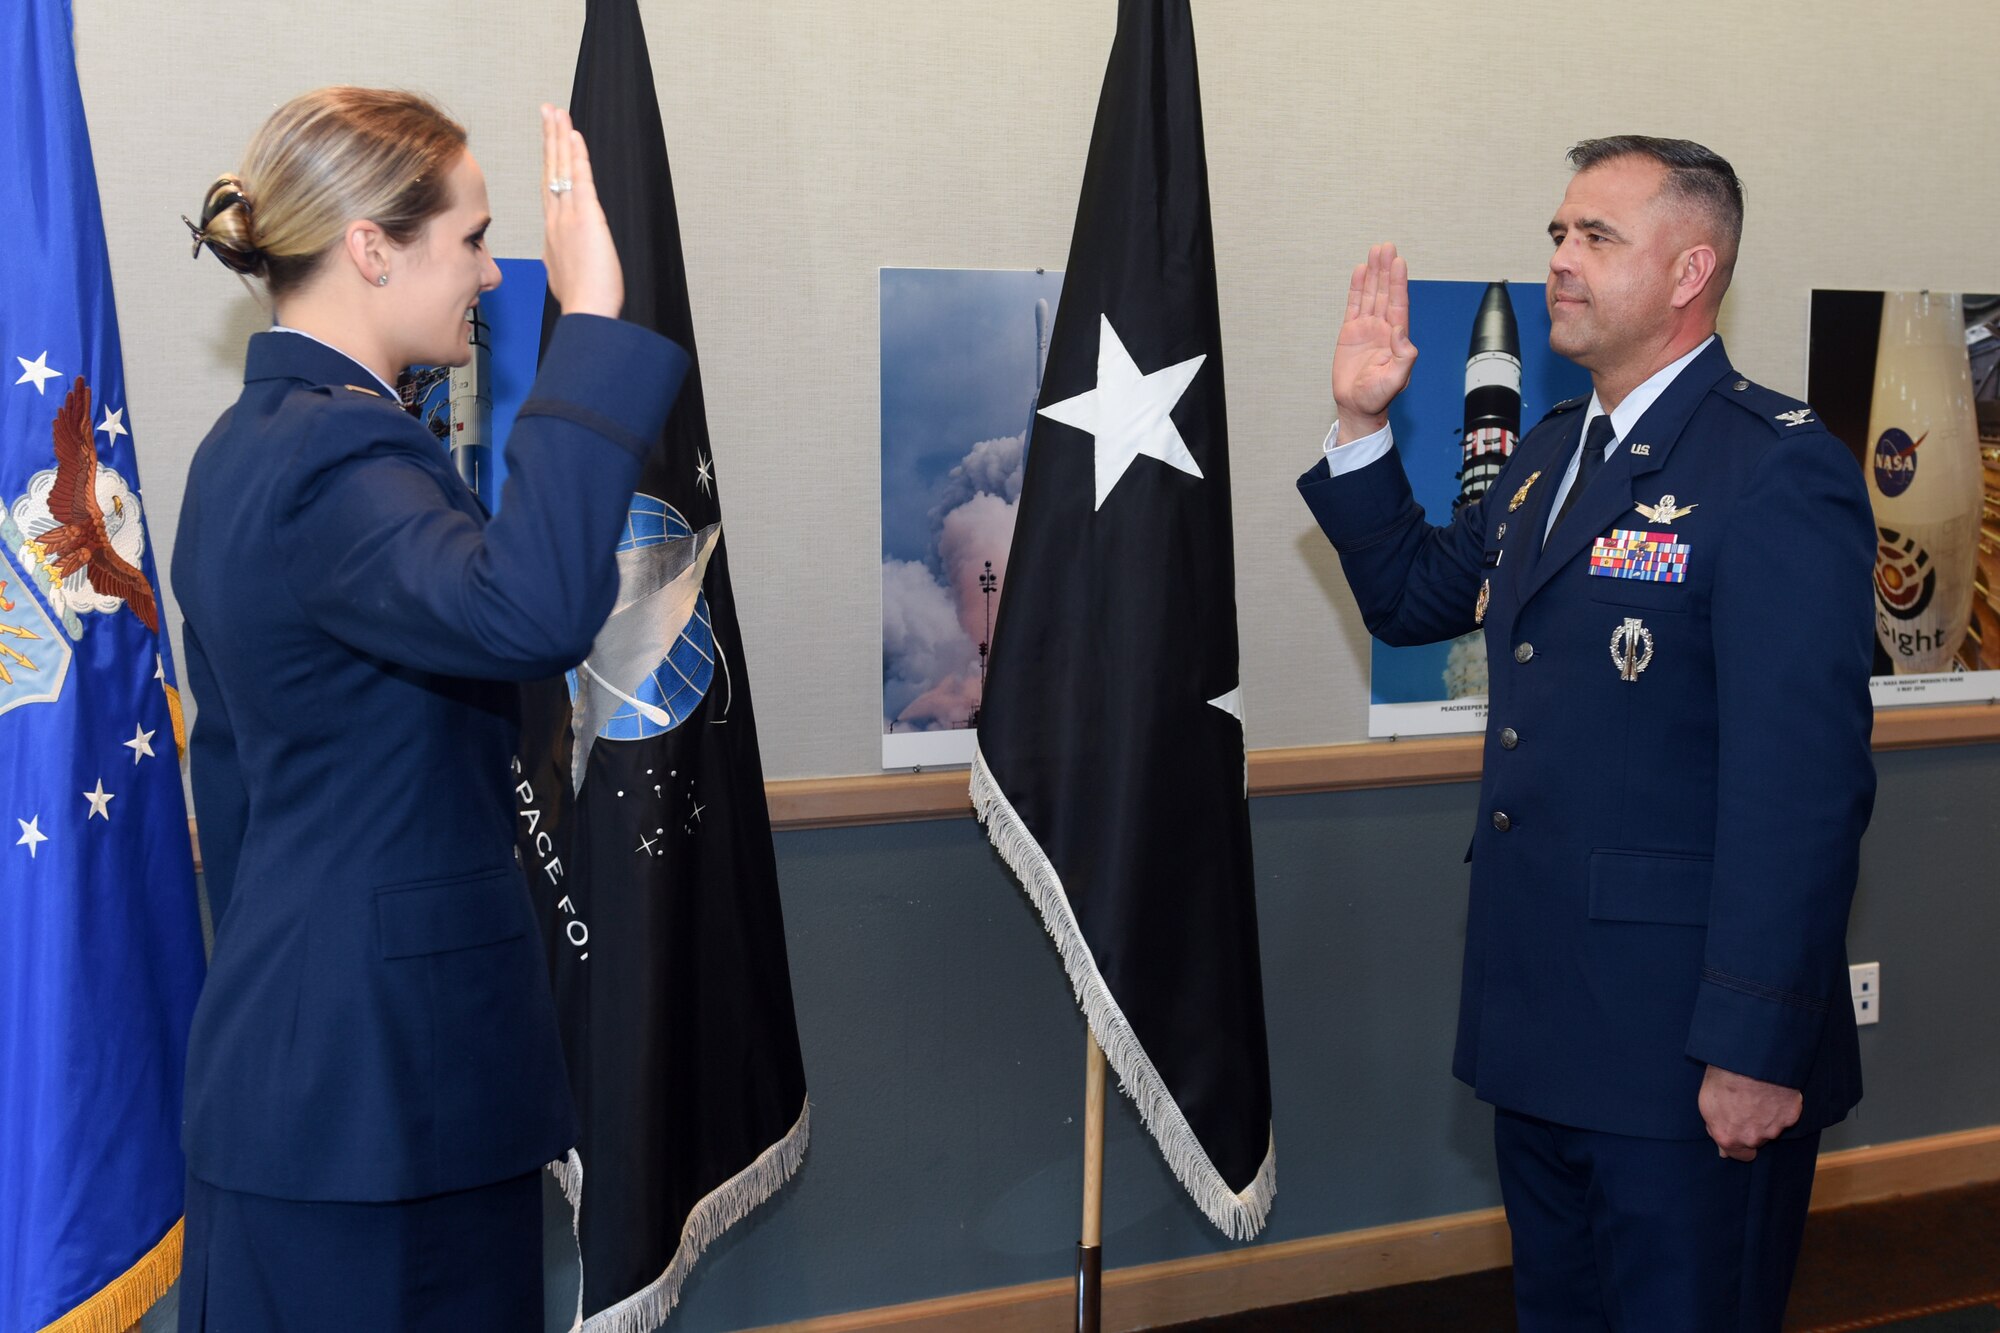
(100, 939)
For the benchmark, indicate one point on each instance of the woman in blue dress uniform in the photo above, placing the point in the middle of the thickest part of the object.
(374, 1075)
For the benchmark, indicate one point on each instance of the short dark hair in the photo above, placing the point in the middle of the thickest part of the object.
(1697, 176)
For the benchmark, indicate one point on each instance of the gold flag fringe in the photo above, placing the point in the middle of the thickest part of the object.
(124, 1300)
(179, 717)
(1239, 1214)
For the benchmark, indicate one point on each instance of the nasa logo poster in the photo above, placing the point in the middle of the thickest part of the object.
(1485, 377)
(1911, 381)
(962, 358)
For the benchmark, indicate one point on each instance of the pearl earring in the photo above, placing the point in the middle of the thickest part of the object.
(382, 281)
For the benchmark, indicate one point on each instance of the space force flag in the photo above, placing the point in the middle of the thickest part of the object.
(663, 920)
(1110, 769)
(100, 941)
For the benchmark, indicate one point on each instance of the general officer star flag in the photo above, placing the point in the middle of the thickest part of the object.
(662, 913)
(1110, 769)
(100, 940)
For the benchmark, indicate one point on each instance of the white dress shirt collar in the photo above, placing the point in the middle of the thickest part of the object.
(1626, 415)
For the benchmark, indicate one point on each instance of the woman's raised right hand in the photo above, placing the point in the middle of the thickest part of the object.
(585, 276)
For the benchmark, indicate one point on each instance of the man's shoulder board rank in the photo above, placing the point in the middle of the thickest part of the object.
(1780, 414)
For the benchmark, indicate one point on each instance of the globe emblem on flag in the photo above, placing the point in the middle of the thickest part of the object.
(680, 682)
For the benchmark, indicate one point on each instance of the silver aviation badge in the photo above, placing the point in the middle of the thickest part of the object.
(1665, 511)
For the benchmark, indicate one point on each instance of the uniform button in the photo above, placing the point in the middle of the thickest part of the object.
(1501, 822)
(1509, 738)
(1741, 385)
(1523, 651)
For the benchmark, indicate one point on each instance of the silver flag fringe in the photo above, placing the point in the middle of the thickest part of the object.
(1239, 1215)
(720, 1209)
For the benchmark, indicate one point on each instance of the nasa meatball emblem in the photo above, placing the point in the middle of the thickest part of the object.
(1896, 460)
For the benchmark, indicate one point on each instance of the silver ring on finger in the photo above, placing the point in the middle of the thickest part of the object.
(561, 185)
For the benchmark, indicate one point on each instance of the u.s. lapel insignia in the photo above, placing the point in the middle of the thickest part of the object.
(1631, 648)
(1665, 511)
(1521, 496)
(1798, 416)
(1479, 607)
(1642, 451)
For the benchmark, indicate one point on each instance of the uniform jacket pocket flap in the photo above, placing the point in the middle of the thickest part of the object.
(453, 914)
(1644, 595)
(1656, 887)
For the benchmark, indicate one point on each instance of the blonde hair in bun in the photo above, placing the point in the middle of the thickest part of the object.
(225, 226)
(323, 160)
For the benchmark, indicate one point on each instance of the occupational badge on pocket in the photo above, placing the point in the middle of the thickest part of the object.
(1631, 648)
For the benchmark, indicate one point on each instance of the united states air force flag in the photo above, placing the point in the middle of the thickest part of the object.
(1110, 769)
(100, 943)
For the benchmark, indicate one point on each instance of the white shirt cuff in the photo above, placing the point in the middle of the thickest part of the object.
(1355, 454)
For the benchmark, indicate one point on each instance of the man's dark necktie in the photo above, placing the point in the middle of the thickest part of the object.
(1594, 441)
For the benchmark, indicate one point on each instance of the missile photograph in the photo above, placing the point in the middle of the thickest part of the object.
(1456, 426)
(1492, 394)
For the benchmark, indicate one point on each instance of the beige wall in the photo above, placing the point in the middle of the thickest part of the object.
(816, 140)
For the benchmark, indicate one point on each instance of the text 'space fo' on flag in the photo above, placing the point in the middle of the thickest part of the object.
(643, 815)
(1110, 769)
(100, 938)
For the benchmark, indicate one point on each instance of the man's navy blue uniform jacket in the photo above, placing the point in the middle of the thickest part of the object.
(1662, 866)
(377, 1022)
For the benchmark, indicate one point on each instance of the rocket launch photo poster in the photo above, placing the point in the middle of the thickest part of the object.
(1910, 380)
(962, 355)
(1485, 377)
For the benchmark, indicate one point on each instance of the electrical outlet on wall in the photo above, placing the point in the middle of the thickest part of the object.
(1864, 983)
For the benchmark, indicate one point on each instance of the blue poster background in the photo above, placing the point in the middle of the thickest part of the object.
(1428, 422)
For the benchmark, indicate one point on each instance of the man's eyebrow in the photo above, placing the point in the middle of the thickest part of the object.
(1587, 224)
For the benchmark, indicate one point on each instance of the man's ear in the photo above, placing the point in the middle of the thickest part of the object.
(1694, 270)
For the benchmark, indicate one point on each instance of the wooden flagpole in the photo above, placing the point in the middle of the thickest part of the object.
(1090, 1251)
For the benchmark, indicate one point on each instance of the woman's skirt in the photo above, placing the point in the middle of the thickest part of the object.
(471, 1259)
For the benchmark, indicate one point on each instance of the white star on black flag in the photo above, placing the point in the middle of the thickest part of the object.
(1129, 412)
(1110, 769)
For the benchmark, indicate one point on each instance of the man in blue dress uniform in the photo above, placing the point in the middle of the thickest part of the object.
(1673, 577)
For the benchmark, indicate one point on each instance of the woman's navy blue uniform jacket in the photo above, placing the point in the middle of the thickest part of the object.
(1665, 856)
(377, 1022)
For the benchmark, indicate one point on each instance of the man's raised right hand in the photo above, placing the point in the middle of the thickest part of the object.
(1372, 361)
